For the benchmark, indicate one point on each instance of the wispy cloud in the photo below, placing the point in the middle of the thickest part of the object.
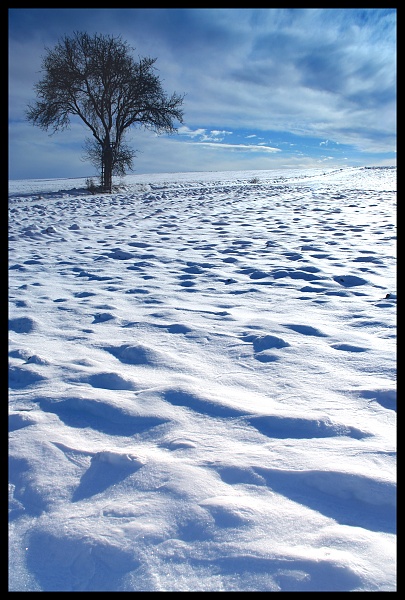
(203, 134)
(238, 147)
(186, 131)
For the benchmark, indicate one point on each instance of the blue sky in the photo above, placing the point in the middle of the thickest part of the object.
(264, 88)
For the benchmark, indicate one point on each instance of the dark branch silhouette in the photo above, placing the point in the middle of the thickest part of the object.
(96, 79)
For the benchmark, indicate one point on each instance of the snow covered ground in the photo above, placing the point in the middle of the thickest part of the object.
(202, 382)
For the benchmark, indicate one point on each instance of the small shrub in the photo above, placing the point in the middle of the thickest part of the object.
(90, 185)
(255, 180)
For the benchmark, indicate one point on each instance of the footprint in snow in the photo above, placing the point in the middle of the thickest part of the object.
(106, 469)
(22, 325)
(350, 280)
(121, 255)
(102, 317)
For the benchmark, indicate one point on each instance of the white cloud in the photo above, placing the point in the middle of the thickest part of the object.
(183, 130)
(240, 147)
(216, 133)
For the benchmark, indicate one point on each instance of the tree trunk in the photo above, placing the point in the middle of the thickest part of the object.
(106, 179)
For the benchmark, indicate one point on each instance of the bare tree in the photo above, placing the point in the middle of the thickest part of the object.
(96, 79)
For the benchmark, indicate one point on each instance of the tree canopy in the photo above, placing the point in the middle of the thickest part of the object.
(97, 79)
